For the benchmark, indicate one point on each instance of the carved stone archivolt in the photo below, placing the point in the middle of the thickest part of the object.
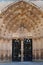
(21, 16)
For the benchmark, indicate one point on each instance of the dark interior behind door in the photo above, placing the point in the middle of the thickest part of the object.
(16, 50)
(27, 49)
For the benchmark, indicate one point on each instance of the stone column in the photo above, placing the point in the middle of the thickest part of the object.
(35, 54)
(39, 54)
(39, 48)
(22, 51)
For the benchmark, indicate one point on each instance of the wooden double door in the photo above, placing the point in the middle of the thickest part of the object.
(22, 50)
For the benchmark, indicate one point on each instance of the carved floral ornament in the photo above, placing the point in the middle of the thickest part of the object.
(20, 17)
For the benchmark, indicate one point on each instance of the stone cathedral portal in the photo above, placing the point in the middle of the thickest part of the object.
(21, 33)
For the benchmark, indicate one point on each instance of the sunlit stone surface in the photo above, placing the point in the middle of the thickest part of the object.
(21, 20)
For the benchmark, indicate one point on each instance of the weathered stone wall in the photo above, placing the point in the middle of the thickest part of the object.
(38, 48)
(5, 49)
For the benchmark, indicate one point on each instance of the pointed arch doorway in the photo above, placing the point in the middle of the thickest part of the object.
(22, 49)
(22, 45)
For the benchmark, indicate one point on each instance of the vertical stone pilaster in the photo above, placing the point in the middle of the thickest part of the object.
(22, 51)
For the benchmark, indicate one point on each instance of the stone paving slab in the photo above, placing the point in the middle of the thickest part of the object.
(23, 63)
